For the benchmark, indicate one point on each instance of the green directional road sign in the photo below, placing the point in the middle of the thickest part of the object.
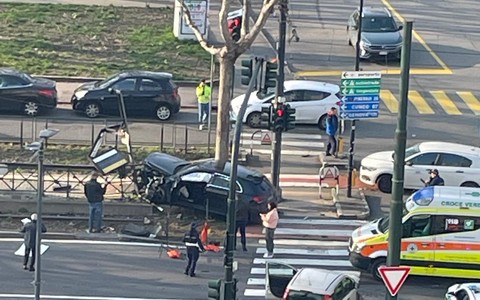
(360, 94)
(360, 83)
(361, 91)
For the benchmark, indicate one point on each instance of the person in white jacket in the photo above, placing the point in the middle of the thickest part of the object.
(270, 222)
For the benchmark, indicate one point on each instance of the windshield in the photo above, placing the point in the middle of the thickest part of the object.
(304, 295)
(378, 24)
(106, 82)
(410, 151)
(264, 96)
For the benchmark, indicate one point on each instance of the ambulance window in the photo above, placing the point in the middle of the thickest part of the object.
(417, 226)
(451, 224)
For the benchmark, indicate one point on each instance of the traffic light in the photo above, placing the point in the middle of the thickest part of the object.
(279, 119)
(270, 75)
(235, 27)
(290, 117)
(215, 289)
(266, 117)
(247, 71)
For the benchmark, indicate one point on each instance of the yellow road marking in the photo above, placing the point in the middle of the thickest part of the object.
(471, 101)
(419, 38)
(420, 104)
(445, 102)
(390, 101)
(396, 71)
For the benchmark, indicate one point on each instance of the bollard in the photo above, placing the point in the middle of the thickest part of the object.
(21, 134)
(186, 138)
(341, 146)
(354, 177)
(161, 138)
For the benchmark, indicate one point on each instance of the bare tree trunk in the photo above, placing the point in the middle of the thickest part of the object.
(223, 111)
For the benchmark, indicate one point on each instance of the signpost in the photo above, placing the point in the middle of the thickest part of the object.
(394, 277)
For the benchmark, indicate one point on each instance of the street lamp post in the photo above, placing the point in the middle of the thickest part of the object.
(38, 147)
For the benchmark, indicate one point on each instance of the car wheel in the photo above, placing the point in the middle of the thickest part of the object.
(92, 109)
(31, 108)
(377, 263)
(322, 122)
(384, 183)
(469, 184)
(164, 112)
(254, 120)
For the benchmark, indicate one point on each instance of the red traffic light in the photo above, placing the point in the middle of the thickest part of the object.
(280, 112)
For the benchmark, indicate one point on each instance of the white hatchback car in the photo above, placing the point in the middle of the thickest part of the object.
(458, 165)
(464, 291)
(285, 282)
(311, 99)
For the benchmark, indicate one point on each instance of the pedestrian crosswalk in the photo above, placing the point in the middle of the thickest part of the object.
(293, 144)
(301, 242)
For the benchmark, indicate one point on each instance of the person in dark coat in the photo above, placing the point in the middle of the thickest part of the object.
(241, 223)
(29, 231)
(331, 130)
(434, 179)
(94, 193)
(194, 246)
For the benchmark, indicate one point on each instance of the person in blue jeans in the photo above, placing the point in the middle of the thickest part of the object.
(94, 193)
(331, 130)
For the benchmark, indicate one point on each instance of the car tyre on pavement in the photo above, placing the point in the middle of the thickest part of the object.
(254, 120)
(92, 109)
(31, 108)
(377, 263)
(322, 122)
(384, 183)
(164, 112)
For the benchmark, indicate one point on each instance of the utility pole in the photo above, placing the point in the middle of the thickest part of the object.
(277, 144)
(230, 283)
(352, 132)
(396, 205)
(38, 234)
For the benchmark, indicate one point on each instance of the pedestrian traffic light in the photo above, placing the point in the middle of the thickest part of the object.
(266, 117)
(279, 119)
(247, 71)
(290, 117)
(270, 75)
(235, 27)
(215, 289)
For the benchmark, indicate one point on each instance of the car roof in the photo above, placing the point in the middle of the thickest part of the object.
(449, 147)
(242, 172)
(376, 12)
(317, 281)
(10, 71)
(166, 163)
(311, 85)
(473, 287)
(158, 75)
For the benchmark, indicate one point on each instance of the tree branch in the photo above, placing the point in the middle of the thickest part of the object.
(201, 39)
(247, 8)
(223, 23)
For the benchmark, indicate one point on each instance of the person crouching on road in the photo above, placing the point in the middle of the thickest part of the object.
(203, 92)
(194, 246)
(331, 130)
(29, 231)
(94, 193)
(270, 222)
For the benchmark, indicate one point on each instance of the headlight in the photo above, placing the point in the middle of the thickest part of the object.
(80, 94)
(371, 169)
(364, 44)
(358, 247)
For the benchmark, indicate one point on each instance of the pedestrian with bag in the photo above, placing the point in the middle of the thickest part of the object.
(194, 246)
(241, 221)
(203, 92)
(331, 130)
(94, 193)
(270, 222)
(29, 231)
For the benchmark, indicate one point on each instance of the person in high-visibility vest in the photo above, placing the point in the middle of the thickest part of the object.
(203, 97)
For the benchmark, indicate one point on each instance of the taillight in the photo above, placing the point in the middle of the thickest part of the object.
(328, 297)
(259, 199)
(175, 92)
(285, 295)
(47, 92)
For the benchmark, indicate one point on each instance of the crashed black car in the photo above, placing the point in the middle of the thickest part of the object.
(166, 179)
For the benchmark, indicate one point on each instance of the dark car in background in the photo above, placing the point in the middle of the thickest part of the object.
(380, 35)
(20, 92)
(168, 179)
(145, 94)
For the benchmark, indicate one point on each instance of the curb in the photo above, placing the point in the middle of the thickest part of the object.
(357, 216)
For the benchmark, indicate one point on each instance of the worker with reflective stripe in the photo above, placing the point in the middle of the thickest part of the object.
(203, 92)
(194, 246)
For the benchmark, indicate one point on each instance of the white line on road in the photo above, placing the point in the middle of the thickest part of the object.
(290, 152)
(254, 293)
(317, 232)
(319, 145)
(305, 262)
(291, 242)
(323, 222)
(90, 242)
(25, 296)
(256, 281)
(319, 252)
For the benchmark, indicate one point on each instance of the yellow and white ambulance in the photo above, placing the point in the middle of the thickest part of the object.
(440, 235)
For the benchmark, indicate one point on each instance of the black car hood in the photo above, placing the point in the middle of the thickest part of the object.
(87, 86)
(165, 163)
(383, 38)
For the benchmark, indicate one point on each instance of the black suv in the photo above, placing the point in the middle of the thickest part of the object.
(145, 94)
(168, 179)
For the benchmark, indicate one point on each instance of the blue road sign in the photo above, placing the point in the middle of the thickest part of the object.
(356, 106)
(359, 114)
(362, 98)
(360, 95)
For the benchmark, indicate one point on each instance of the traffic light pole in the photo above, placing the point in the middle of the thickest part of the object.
(352, 131)
(277, 144)
(229, 290)
(396, 205)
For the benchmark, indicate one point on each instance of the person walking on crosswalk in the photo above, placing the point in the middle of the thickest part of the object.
(270, 222)
(331, 130)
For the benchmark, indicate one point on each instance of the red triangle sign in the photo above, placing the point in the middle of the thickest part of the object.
(394, 277)
(266, 140)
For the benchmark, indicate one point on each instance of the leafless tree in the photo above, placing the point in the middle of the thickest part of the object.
(227, 54)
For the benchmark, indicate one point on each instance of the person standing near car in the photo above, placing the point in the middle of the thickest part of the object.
(29, 231)
(94, 193)
(270, 222)
(203, 92)
(194, 246)
(241, 223)
(331, 130)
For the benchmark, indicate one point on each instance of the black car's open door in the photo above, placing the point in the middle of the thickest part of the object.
(277, 277)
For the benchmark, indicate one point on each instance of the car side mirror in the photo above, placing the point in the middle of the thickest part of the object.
(409, 163)
(400, 27)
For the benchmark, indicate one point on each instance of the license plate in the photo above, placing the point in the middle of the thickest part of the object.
(383, 53)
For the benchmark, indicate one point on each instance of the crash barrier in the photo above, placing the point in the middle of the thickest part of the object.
(63, 181)
(329, 182)
(179, 136)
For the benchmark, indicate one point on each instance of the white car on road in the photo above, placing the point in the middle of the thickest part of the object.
(458, 165)
(311, 99)
(464, 291)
